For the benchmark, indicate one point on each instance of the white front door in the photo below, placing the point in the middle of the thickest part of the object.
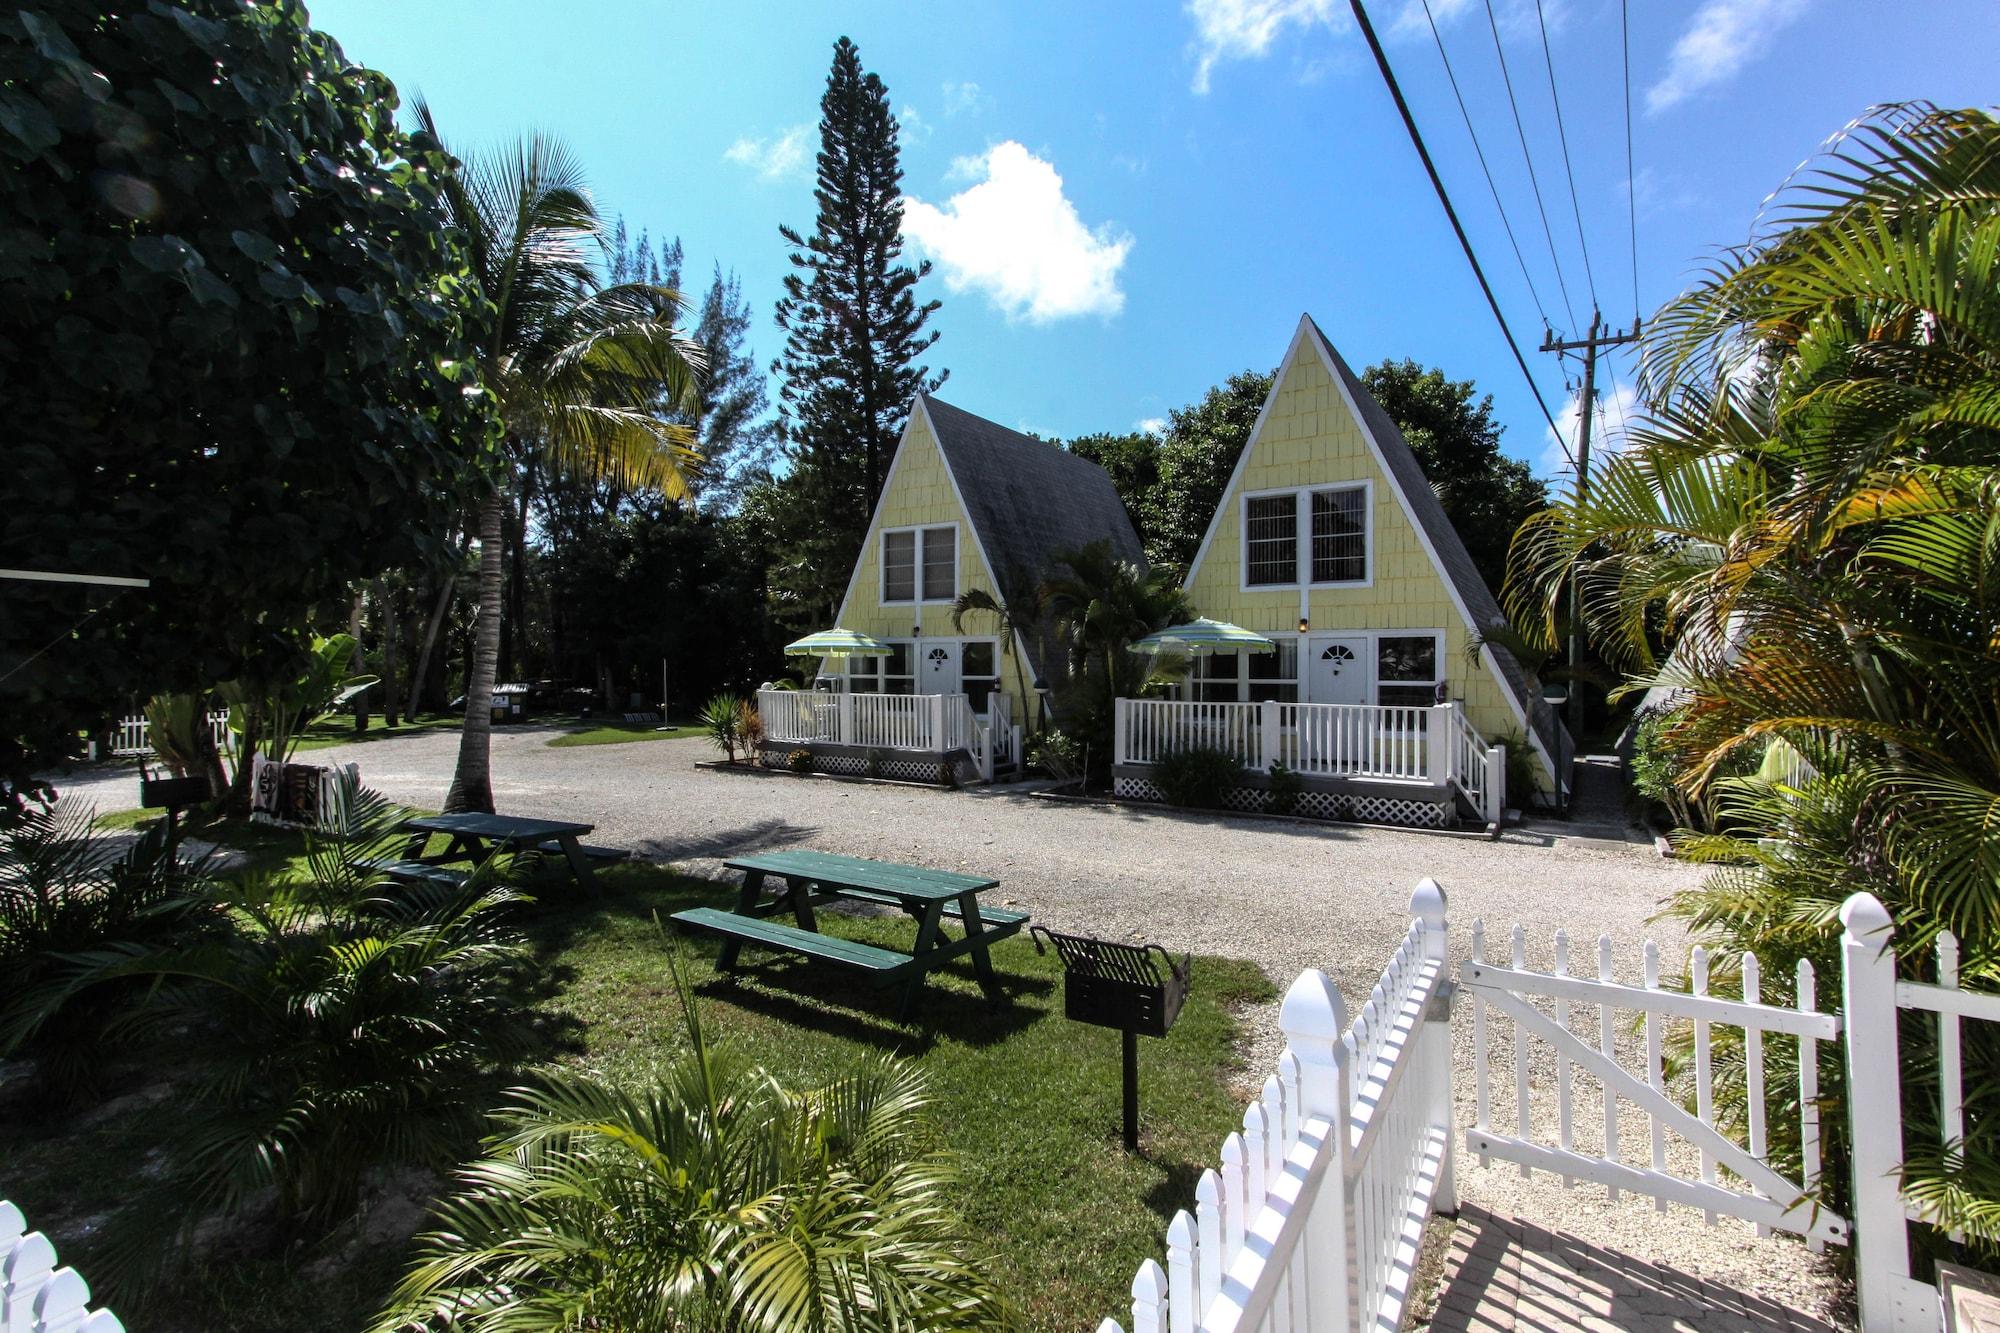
(1337, 672)
(937, 666)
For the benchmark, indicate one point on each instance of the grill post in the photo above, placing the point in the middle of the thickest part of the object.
(1124, 986)
(1131, 1090)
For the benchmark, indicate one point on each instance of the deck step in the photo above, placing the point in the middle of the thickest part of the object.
(777, 935)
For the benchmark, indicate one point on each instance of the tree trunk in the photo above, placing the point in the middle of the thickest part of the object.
(472, 781)
(514, 625)
(389, 609)
(420, 674)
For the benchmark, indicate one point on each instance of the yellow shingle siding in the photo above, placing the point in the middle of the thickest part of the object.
(920, 494)
(1309, 438)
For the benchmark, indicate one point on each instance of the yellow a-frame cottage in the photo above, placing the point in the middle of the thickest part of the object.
(967, 504)
(1381, 697)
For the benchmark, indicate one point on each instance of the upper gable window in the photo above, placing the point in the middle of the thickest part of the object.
(1335, 520)
(920, 565)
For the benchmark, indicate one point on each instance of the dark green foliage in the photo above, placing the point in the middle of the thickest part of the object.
(800, 760)
(1197, 455)
(1485, 494)
(722, 719)
(1132, 461)
(66, 888)
(854, 333)
(1198, 777)
(229, 300)
(1056, 753)
(1286, 786)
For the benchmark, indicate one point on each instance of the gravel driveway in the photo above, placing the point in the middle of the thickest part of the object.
(1289, 896)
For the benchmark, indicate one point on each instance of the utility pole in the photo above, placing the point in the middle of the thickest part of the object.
(1588, 345)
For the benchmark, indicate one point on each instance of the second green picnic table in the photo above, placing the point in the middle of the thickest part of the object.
(810, 878)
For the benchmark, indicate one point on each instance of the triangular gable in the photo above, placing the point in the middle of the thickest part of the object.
(1445, 549)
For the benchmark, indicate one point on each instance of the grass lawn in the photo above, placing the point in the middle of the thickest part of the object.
(340, 731)
(1028, 1100)
(621, 733)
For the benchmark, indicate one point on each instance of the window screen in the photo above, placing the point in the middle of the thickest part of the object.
(979, 671)
(1340, 535)
(1271, 540)
(940, 564)
(899, 566)
(1406, 670)
(1275, 676)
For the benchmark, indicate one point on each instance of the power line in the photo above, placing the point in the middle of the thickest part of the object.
(1483, 167)
(1562, 137)
(1631, 207)
(1437, 183)
(1520, 130)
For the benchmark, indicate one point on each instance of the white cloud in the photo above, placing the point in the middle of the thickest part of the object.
(913, 127)
(1016, 238)
(776, 158)
(962, 97)
(1151, 426)
(1245, 29)
(1723, 36)
(1618, 408)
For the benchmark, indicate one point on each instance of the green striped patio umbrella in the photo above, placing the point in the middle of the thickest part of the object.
(838, 642)
(1201, 637)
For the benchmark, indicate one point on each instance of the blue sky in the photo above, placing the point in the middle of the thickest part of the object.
(1125, 204)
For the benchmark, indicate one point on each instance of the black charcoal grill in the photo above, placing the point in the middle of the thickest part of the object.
(1136, 988)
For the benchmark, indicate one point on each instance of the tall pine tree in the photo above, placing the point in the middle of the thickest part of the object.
(854, 331)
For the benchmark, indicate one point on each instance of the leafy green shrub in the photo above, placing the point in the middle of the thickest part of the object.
(1286, 788)
(714, 1199)
(722, 719)
(800, 760)
(1198, 777)
(1523, 782)
(1056, 753)
(875, 762)
(67, 888)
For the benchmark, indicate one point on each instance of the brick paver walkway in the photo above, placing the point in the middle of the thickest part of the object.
(1504, 1275)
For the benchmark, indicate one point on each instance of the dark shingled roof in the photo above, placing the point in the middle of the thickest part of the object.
(1428, 511)
(1028, 499)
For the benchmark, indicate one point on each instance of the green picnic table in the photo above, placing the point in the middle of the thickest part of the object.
(810, 878)
(476, 837)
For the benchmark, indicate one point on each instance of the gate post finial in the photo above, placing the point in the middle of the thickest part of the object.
(1874, 1107)
(1427, 904)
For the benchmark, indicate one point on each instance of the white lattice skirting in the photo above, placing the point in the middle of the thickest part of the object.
(1407, 811)
(889, 764)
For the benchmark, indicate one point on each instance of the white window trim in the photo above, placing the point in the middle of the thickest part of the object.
(1189, 686)
(1302, 553)
(918, 530)
(1373, 637)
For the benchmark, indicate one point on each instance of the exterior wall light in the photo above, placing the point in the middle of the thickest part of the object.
(1303, 625)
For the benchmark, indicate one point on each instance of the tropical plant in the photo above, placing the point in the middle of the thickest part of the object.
(68, 887)
(1812, 514)
(579, 372)
(262, 392)
(714, 1200)
(1197, 777)
(1286, 786)
(348, 1023)
(1056, 753)
(722, 719)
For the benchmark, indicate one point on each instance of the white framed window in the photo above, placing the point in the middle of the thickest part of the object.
(920, 564)
(890, 674)
(1409, 669)
(1247, 677)
(1335, 549)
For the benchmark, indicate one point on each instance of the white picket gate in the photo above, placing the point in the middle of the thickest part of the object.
(35, 1295)
(133, 734)
(1314, 1219)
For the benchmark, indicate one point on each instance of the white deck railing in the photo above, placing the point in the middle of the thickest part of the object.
(1315, 1217)
(1435, 745)
(35, 1295)
(925, 723)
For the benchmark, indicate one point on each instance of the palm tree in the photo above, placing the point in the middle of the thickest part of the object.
(580, 373)
(714, 1200)
(1812, 514)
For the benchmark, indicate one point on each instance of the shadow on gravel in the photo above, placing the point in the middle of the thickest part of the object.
(763, 836)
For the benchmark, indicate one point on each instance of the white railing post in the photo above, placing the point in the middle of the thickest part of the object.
(1427, 905)
(1267, 738)
(1121, 730)
(843, 717)
(1874, 1108)
(1496, 783)
(1441, 742)
(937, 737)
(1314, 1021)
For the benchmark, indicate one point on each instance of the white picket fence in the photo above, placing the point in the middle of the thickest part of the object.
(133, 735)
(1306, 1228)
(1437, 745)
(35, 1295)
(1315, 1216)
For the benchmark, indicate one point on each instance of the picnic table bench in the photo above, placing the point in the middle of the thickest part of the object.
(476, 837)
(810, 878)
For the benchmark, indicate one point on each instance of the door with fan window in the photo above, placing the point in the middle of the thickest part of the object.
(1339, 670)
(937, 667)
